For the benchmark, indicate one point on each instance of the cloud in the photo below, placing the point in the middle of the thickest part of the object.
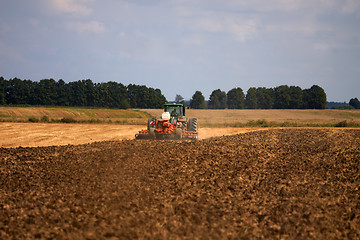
(244, 30)
(93, 26)
(76, 7)
(241, 27)
(304, 27)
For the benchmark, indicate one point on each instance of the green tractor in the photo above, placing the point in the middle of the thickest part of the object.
(172, 124)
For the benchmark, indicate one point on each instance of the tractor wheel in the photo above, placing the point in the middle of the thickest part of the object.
(178, 133)
(192, 126)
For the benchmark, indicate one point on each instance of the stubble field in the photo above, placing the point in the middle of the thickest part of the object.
(271, 184)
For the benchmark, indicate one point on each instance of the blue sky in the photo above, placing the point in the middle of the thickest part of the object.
(181, 46)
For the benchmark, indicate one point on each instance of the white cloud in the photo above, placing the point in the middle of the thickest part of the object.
(303, 27)
(93, 26)
(244, 30)
(239, 26)
(76, 7)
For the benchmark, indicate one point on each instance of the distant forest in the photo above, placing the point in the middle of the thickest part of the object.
(282, 97)
(86, 93)
(82, 93)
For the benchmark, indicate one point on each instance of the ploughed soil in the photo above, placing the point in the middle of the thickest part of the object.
(271, 184)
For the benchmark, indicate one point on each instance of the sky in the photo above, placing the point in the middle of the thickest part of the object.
(184, 46)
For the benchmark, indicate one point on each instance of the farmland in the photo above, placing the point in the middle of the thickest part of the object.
(271, 184)
(207, 118)
(271, 118)
(71, 115)
(94, 181)
(39, 126)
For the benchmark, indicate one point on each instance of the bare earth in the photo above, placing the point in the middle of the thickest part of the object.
(272, 184)
(51, 134)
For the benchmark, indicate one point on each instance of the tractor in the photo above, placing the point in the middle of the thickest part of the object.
(172, 124)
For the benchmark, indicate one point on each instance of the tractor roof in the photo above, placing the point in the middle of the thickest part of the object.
(173, 104)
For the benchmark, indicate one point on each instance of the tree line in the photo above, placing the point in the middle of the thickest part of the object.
(116, 95)
(79, 93)
(282, 97)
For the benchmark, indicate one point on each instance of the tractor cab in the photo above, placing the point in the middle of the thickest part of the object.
(176, 110)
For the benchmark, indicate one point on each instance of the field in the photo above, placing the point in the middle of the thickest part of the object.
(271, 184)
(272, 117)
(49, 134)
(278, 183)
(71, 115)
(207, 118)
(83, 126)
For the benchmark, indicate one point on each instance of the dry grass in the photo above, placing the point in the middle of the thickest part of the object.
(81, 115)
(206, 117)
(271, 118)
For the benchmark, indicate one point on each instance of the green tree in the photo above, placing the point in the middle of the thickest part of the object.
(77, 93)
(117, 95)
(143, 97)
(198, 101)
(251, 99)
(63, 93)
(33, 91)
(355, 103)
(110, 94)
(2, 98)
(314, 98)
(156, 98)
(17, 92)
(3, 86)
(91, 93)
(265, 98)
(47, 92)
(296, 97)
(282, 97)
(132, 95)
(236, 99)
(217, 100)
